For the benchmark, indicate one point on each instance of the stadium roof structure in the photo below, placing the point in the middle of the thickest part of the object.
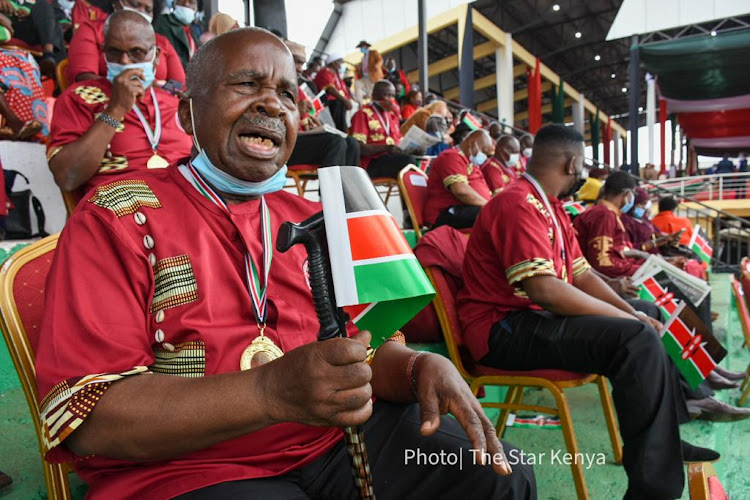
(537, 31)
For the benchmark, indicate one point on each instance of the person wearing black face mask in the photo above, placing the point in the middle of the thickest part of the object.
(531, 301)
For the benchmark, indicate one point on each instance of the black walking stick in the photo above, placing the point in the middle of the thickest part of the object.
(312, 234)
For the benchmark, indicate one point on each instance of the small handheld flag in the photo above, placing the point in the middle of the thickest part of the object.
(376, 277)
(699, 244)
(574, 208)
(687, 349)
(470, 121)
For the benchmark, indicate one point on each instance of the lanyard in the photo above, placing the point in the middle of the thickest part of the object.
(153, 136)
(540, 192)
(385, 123)
(258, 291)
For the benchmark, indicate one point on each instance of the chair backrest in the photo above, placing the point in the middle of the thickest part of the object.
(62, 80)
(22, 285)
(445, 305)
(412, 182)
(740, 290)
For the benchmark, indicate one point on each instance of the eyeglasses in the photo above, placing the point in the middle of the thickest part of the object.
(137, 54)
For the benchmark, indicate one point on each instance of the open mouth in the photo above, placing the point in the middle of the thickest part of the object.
(259, 142)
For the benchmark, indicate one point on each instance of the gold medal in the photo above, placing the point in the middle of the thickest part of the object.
(157, 161)
(260, 351)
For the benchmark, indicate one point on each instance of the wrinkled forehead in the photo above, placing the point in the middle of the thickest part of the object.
(255, 54)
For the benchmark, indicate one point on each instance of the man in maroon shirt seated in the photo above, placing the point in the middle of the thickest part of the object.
(167, 368)
(105, 128)
(456, 188)
(530, 301)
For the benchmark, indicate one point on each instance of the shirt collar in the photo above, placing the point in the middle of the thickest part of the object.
(611, 206)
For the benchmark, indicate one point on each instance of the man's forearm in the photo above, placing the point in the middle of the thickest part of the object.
(152, 416)
(557, 296)
(467, 195)
(593, 285)
(79, 160)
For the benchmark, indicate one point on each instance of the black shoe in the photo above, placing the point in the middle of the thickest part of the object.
(715, 410)
(5, 480)
(717, 382)
(692, 453)
(729, 374)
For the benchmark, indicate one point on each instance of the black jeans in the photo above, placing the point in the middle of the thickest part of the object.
(458, 216)
(391, 431)
(389, 165)
(646, 386)
(326, 150)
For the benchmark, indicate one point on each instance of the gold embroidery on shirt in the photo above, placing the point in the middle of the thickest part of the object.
(374, 125)
(453, 179)
(533, 201)
(124, 197)
(91, 94)
(360, 137)
(603, 244)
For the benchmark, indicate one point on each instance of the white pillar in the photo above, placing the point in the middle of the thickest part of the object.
(616, 148)
(578, 114)
(651, 116)
(504, 81)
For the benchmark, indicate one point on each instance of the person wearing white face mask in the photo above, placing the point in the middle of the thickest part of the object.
(175, 26)
(85, 53)
(500, 169)
(114, 125)
(526, 145)
(456, 189)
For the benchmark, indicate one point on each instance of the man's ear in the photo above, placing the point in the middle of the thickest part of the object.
(570, 165)
(156, 58)
(183, 112)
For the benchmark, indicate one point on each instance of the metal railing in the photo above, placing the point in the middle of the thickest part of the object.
(729, 234)
(708, 187)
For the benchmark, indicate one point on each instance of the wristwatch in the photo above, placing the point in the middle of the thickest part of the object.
(109, 120)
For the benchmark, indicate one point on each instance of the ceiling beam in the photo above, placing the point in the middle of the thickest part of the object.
(451, 62)
(518, 95)
(484, 82)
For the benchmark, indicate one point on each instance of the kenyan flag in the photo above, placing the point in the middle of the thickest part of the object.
(376, 277)
(317, 103)
(652, 291)
(470, 121)
(687, 349)
(699, 244)
(574, 208)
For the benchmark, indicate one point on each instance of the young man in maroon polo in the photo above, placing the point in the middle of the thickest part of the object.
(530, 301)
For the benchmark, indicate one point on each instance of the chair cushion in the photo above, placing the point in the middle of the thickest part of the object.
(549, 374)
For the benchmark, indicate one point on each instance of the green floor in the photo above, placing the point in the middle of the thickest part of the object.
(20, 458)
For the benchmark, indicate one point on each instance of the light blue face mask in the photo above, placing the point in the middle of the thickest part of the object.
(149, 73)
(66, 5)
(227, 183)
(479, 158)
(626, 208)
(185, 15)
(638, 212)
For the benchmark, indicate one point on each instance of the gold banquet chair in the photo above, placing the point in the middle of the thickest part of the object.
(22, 282)
(554, 381)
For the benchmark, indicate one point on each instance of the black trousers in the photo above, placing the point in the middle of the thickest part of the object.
(326, 150)
(458, 216)
(41, 27)
(389, 165)
(646, 387)
(391, 431)
(338, 113)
